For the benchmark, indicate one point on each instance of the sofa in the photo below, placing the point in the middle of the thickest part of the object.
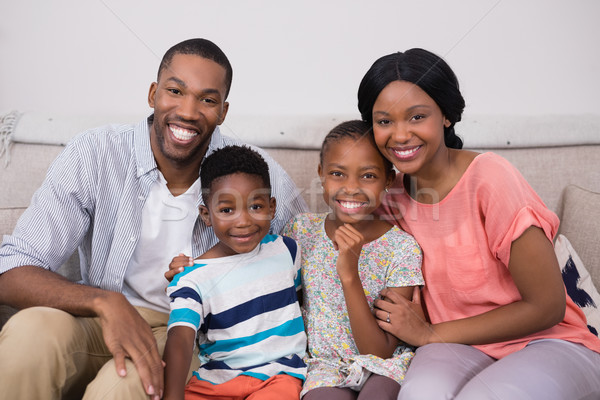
(558, 155)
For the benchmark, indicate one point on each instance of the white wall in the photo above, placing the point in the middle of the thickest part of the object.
(99, 56)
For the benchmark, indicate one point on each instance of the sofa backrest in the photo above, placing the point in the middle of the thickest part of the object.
(551, 153)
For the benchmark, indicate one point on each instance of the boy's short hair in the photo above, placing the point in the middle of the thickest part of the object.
(230, 160)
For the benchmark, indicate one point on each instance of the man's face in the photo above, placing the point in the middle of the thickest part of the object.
(189, 102)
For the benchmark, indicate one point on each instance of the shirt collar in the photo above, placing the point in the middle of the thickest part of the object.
(216, 142)
(143, 151)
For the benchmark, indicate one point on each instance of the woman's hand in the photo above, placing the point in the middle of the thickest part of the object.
(534, 269)
(403, 318)
(177, 264)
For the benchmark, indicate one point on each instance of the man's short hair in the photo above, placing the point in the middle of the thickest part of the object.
(203, 48)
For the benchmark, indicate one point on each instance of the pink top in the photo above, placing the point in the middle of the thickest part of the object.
(466, 240)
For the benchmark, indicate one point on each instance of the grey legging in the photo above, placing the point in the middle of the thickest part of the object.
(376, 387)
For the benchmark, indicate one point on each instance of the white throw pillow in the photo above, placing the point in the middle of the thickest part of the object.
(579, 284)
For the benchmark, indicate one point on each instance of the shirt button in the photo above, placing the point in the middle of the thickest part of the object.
(140, 197)
(132, 239)
(141, 170)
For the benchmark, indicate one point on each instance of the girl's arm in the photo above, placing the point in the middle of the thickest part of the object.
(536, 273)
(178, 358)
(368, 336)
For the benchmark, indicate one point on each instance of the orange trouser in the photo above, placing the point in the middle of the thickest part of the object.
(278, 387)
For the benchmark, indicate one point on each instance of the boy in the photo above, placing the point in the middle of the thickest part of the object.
(240, 296)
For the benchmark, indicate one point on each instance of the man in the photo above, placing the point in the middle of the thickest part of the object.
(128, 197)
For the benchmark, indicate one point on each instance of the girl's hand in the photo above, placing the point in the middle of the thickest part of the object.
(348, 241)
(177, 264)
(403, 318)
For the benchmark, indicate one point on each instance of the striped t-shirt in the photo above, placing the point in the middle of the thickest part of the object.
(246, 312)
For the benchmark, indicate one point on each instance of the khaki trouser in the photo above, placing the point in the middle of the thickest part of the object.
(46, 353)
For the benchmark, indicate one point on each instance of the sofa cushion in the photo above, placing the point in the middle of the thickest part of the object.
(8, 219)
(580, 222)
(578, 282)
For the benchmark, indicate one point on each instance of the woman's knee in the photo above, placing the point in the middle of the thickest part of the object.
(449, 365)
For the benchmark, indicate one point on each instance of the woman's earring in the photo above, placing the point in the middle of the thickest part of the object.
(386, 190)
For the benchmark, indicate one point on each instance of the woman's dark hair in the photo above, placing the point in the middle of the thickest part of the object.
(355, 130)
(426, 70)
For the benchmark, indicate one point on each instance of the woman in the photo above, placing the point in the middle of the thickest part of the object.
(499, 323)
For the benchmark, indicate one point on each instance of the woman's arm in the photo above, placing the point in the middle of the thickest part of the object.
(178, 358)
(368, 336)
(536, 274)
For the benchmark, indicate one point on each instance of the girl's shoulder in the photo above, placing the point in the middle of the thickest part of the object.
(308, 221)
(396, 237)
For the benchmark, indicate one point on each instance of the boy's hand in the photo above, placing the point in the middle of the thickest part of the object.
(348, 242)
(177, 264)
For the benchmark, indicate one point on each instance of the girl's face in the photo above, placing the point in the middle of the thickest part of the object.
(408, 127)
(354, 177)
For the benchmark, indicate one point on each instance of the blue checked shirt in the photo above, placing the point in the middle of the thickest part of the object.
(92, 198)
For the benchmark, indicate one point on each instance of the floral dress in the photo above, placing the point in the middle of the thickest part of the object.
(333, 360)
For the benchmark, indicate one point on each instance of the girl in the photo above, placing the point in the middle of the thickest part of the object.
(348, 256)
(500, 325)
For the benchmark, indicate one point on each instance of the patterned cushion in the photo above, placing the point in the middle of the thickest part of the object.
(580, 222)
(578, 282)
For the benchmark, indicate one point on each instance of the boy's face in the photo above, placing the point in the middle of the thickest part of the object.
(240, 210)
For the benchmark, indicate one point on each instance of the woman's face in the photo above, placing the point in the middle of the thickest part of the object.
(409, 127)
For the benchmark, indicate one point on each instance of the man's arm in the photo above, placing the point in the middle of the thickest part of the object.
(125, 332)
(289, 198)
(62, 212)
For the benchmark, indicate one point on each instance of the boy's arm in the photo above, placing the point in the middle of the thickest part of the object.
(178, 358)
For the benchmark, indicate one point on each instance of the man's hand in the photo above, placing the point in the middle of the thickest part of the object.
(177, 264)
(127, 335)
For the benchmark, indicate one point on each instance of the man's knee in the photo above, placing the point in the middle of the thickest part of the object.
(40, 331)
(109, 385)
(40, 355)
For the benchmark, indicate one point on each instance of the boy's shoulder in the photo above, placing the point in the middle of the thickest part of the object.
(280, 241)
(277, 240)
